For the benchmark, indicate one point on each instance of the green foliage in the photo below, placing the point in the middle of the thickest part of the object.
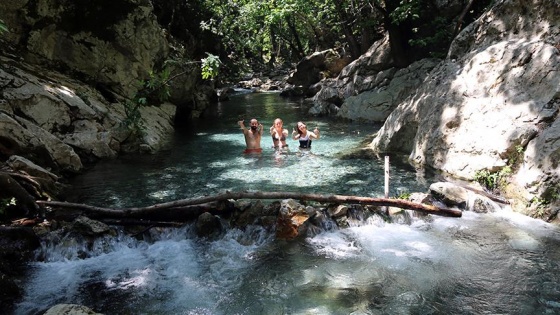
(540, 204)
(133, 120)
(407, 10)
(156, 89)
(496, 180)
(404, 195)
(3, 27)
(5, 203)
(210, 66)
(493, 180)
(517, 156)
(271, 30)
(266, 32)
(439, 34)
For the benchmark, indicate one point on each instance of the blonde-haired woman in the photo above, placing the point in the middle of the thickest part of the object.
(279, 134)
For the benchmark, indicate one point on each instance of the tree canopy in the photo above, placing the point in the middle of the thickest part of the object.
(272, 32)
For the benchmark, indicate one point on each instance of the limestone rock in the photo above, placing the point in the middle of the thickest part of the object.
(456, 196)
(497, 92)
(19, 163)
(392, 87)
(70, 309)
(309, 70)
(338, 211)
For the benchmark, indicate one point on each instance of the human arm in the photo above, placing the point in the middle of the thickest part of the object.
(242, 125)
(295, 134)
(315, 134)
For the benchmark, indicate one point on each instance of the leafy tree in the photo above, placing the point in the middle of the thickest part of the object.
(269, 32)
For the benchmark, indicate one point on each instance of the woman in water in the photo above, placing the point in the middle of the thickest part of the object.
(279, 134)
(304, 136)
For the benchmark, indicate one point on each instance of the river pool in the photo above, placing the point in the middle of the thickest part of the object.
(496, 263)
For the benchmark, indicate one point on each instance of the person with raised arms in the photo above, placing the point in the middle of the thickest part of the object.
(305, 136)
(279, 134)
(252, 136)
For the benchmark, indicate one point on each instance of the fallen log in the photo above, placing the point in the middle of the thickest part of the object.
(138, 212)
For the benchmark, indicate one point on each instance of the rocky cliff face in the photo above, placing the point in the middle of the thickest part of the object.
(67, 71)
(491, 105)
(111, 43)
(493, 102)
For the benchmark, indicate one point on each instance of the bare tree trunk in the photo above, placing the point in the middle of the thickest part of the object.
(354, 46)
(461, 17)
(158, 209)
(297, 40)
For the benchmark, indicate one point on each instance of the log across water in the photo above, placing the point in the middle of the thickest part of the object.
(200, 203)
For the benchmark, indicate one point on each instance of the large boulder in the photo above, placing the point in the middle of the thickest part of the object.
(392, 86)
(495, 96)
(58, 124)
(291, 219)
(372, 70)
(315, 67)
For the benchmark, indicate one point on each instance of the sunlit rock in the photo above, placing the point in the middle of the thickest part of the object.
(391, 87)
(70, 309)
(291, 218)
(450, 194)
(467, 199)
(338, 211)
(490, 103)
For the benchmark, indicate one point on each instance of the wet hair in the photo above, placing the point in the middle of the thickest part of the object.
(297, 127)
(277, 119)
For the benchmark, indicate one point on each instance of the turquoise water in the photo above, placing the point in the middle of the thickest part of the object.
(496, 263)
(209, 158)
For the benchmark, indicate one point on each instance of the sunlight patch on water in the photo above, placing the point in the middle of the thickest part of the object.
(334, 245)
(162, 194)
(295, 172)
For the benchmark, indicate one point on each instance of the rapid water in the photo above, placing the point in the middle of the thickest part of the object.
(499, 263)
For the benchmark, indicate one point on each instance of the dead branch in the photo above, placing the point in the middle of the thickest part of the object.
(138, 212)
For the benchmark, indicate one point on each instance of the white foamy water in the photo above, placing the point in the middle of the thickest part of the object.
(499, 263)
(430, 266)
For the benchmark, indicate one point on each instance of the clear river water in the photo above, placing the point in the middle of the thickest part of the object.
(496, 263)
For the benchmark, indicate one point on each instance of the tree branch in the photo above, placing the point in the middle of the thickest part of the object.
(137, 212)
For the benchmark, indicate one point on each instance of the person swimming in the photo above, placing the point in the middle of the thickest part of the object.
(279, 134)
(305, 136)
(252, 136)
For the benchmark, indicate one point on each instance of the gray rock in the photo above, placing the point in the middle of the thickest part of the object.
(497, 92)
(19, 163)
(70, 309)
